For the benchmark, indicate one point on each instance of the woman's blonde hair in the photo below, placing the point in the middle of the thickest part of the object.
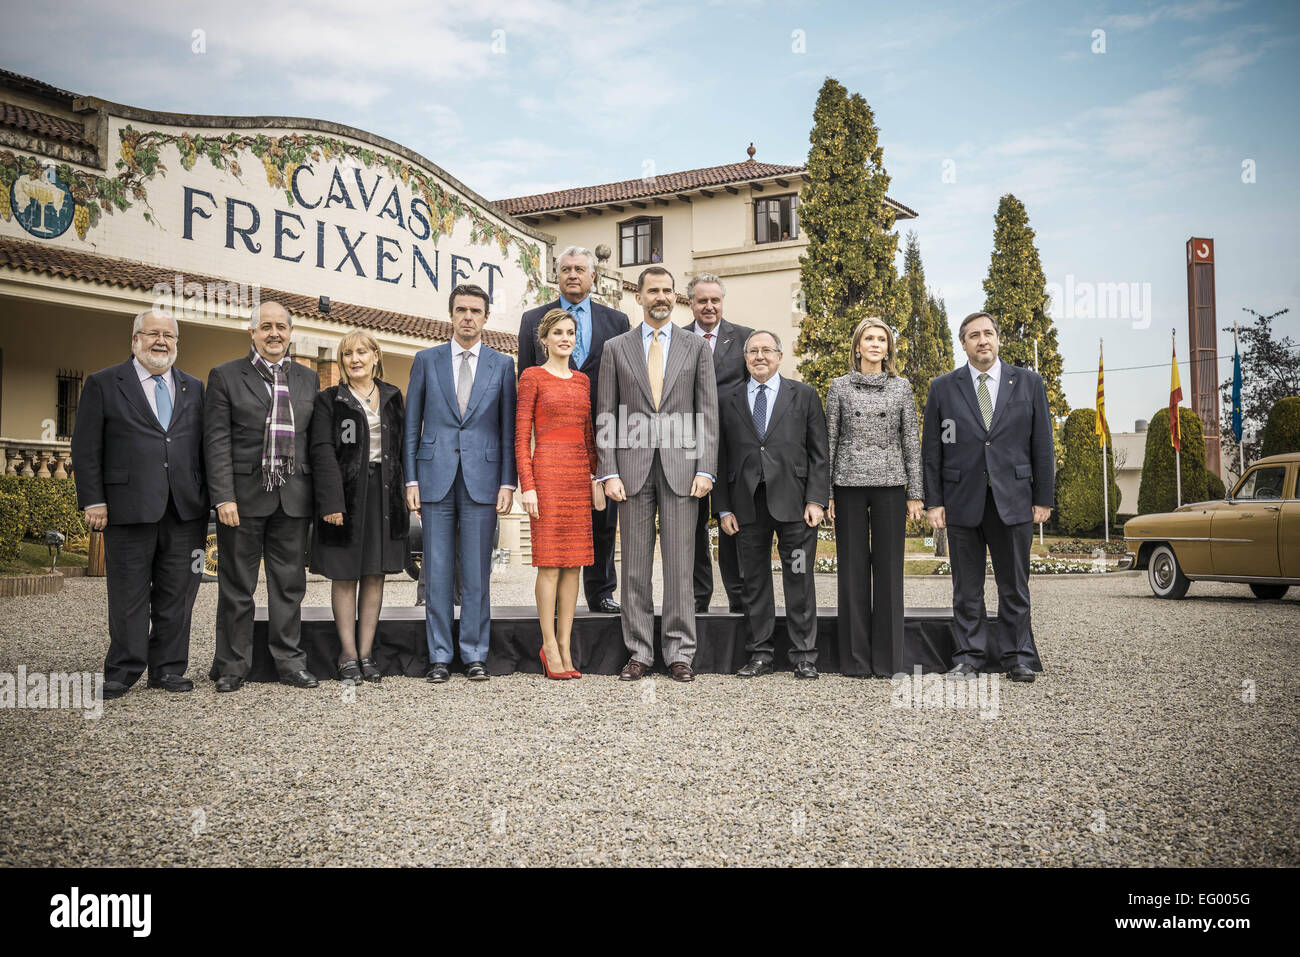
(550, 321)
(887, 364)
(351, 338)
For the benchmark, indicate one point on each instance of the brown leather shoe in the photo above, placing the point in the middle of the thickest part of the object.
(633, 670)
(681, 671)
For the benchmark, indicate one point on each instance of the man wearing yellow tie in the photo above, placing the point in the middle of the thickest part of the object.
(657, 441)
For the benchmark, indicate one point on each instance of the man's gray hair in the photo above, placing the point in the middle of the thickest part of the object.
(763, 332)
(255, 316)
(138, 323)
(578, 251)
(703, 277)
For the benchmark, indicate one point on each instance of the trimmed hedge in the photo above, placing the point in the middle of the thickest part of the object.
(50, 504)
(13, 524)
(1214, 486)
(1078, 483)
(1282, 431)
(1158, 491)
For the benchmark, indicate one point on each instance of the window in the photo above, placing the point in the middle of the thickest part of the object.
(69, 393)
(1263, 483)
(641, 241)
(776, 219)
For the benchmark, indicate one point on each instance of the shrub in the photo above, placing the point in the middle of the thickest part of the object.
(1158, 492)
(1214, 487)
(13, 525)
(1078, 483)
(1282, 431)
(52, 504)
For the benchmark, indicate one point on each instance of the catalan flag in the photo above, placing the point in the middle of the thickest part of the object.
(1175, 397)
(1101, 426)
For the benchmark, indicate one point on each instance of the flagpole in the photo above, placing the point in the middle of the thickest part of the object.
(1241, 440)
(1040, 524)
(1178, 450)
(1105, 478)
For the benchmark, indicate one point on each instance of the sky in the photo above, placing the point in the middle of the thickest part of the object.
(1126, 127)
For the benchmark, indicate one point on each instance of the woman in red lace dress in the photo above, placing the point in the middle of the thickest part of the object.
(556, 466)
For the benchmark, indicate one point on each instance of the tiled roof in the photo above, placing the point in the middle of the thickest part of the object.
(32, 85)
(665, 184)
(55, 261)
(43, 124)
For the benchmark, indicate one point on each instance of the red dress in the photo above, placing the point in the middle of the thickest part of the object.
(559, 466)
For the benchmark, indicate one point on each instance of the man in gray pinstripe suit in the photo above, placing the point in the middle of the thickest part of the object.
(657, 441)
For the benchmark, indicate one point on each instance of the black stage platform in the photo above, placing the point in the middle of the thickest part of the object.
(598, 649)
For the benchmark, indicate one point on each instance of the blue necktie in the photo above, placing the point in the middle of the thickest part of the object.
(760, 411)
(579, 350)
(163, 399)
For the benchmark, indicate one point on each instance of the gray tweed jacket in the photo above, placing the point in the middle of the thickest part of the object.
(871, 421)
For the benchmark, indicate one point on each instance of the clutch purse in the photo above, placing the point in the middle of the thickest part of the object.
(597, 495)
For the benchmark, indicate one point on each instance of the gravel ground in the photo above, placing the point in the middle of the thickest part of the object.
(1136, 748)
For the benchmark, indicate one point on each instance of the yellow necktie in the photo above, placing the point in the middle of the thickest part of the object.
(656, 368)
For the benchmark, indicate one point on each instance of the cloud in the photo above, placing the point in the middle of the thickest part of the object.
(1186, 12)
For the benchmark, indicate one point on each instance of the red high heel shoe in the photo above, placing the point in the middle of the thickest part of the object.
(555, 675)
(575, 673)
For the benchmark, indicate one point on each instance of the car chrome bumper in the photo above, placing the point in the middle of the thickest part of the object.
(1128, 561)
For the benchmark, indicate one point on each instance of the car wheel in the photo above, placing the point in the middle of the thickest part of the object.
(210, 558)
(1269, 591)
(1163, 574)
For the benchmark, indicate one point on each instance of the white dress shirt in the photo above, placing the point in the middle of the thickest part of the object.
(457, 351)
(150, 391)
(712, 338)
(995, 377)
(667, 331)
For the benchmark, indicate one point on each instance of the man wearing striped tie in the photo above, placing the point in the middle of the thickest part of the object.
(137, 457)
(989, 465)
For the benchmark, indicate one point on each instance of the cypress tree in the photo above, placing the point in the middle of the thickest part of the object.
(1282, 431)
(943, 332)
(847, 272)
(1078, 481)
(1158, 490)
(925, 355)
(1015, 293)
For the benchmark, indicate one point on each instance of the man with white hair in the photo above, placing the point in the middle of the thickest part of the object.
(256, 444)
(575, 272)
(137, 460)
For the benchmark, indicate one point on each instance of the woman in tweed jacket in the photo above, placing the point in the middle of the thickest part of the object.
(875, 461)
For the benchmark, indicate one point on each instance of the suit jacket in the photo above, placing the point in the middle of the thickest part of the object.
(340, 454)
(438, 440)
(123, 457)
(685, 431)
(235, 427)
(606, 323)
(1014, 456)
(728, 354)
(791, 458)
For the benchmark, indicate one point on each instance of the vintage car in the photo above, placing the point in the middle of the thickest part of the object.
(1252, 536)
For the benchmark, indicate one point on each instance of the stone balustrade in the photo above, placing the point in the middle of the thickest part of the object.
(34, 457)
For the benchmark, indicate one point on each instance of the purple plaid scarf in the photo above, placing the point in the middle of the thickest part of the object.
(277, 441)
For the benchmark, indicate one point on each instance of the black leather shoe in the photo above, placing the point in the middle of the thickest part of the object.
(475, 671)
(114, 689)
(961, 672)
(607, 606)
(300, 679)
(437, 674)
(172, 683)
(805, 670)
(755, 667)
(370, 671)
(229, 683)
(1020, 673)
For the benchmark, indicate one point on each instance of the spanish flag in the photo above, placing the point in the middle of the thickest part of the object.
(1175, 397)
(1101, 426)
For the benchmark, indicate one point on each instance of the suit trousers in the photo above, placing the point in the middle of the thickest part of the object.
(796, 543)
(677, 515)
(870, 523)
(458, 529)
(728, 562)
(280, 541)
(1008, 546)
(153, 575)
(599, 578)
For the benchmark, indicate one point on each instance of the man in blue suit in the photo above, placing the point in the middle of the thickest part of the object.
(990, 474)
(575, 271)
(460, 459)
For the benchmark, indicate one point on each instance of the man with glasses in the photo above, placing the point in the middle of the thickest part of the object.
(137, 456)
(774, 478)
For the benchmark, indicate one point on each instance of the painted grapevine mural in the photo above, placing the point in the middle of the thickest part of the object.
(44, 197)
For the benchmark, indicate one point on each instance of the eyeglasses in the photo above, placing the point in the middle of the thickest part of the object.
(168, 336)
(755, 353)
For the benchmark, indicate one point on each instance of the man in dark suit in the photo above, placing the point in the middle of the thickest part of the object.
(990, 474)
(258, 425)
(138, 466)
(774, 477)
(706, 293)
(597, 324)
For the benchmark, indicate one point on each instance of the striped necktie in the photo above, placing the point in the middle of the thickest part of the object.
(986, 400)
